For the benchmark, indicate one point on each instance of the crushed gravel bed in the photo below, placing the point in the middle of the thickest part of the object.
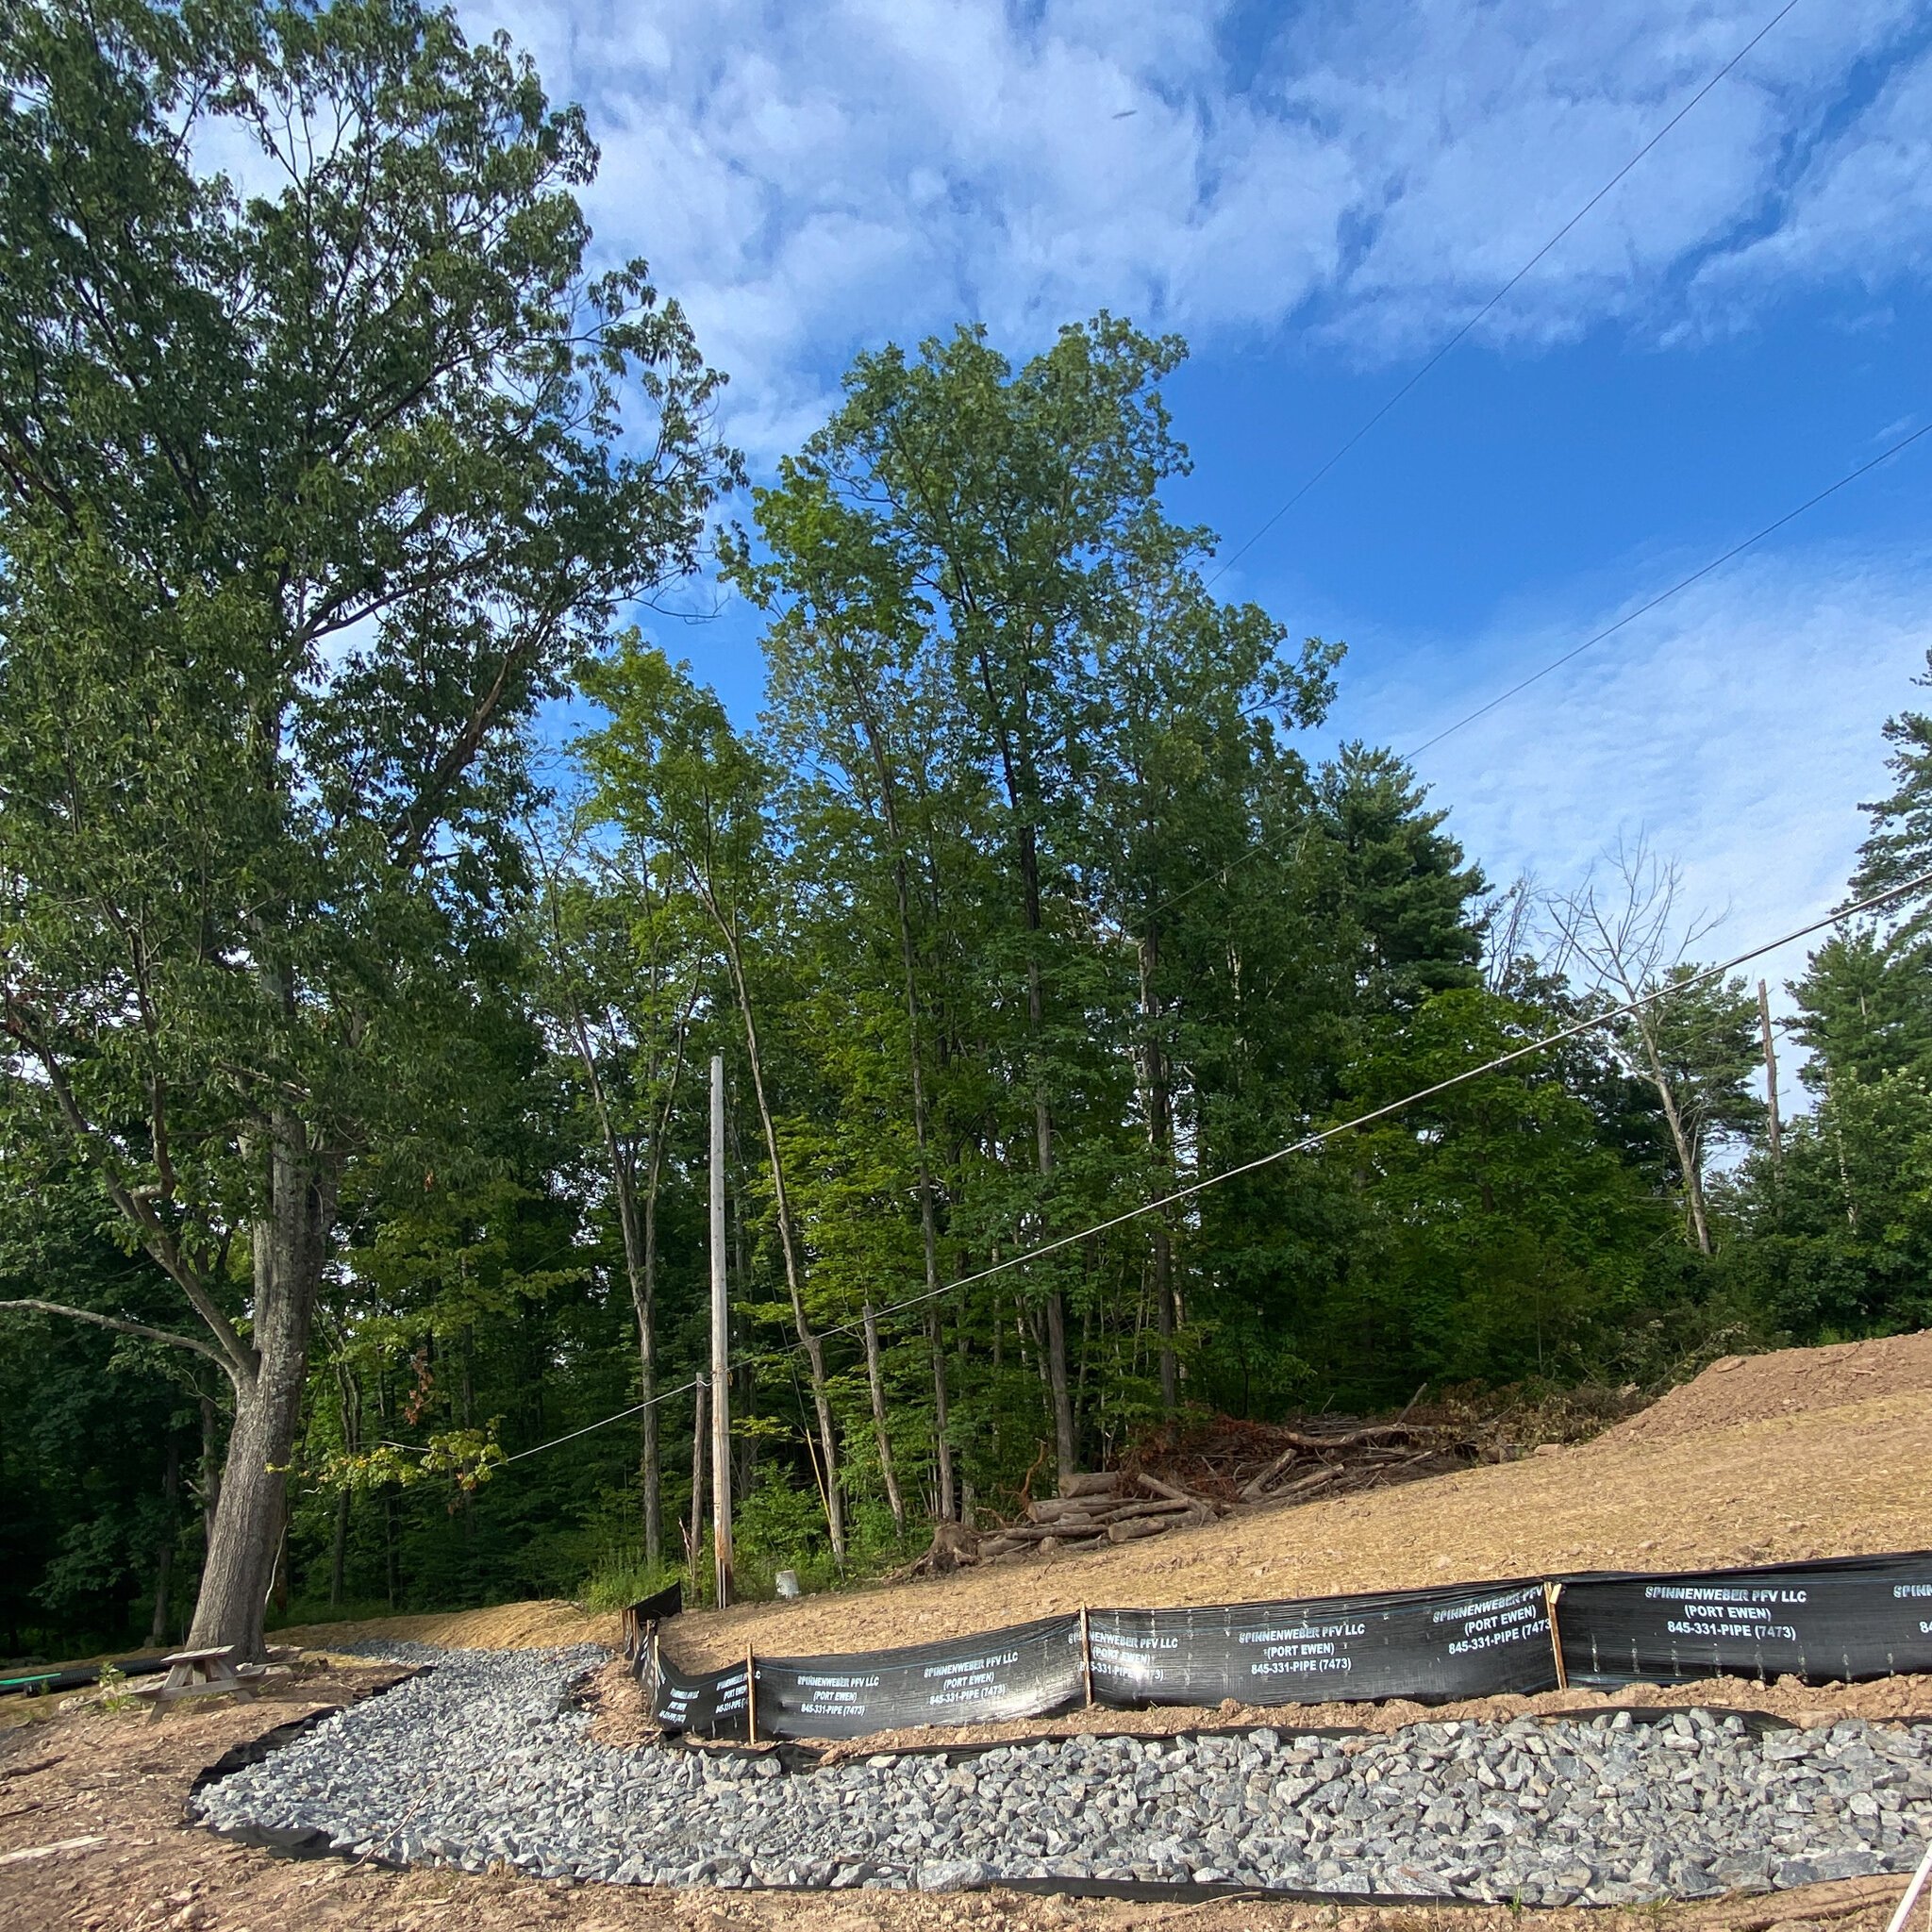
(487, 1759)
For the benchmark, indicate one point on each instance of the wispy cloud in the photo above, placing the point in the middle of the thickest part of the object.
(1740, 729)
(807, 179)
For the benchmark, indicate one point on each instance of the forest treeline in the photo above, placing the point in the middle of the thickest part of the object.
(375, 889)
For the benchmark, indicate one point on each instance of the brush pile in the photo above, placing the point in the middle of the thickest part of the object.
(1107, 1506)
(1232, 1463)
(1177, 1479)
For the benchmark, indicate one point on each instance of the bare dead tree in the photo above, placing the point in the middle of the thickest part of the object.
(1621, 935)
(1509, 920)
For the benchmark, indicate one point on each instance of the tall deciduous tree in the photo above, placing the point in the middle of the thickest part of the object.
(619, 980)
(669, 770)
(1001, 511)
(311, 486)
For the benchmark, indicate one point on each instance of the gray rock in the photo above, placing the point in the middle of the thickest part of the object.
(488, 1761)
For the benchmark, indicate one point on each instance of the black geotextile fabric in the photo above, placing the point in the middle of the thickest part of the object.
(708, 1703)
(1433, 1644)
(286, 1840)
(1848, 1620)
(1028, 1670)
(668, 1602)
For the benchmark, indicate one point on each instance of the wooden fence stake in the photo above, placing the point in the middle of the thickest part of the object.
(1086, 1657)
(751, 1698)
(1550, 1592)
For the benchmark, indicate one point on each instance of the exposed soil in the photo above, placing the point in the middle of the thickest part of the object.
(1753, 1388)
(508, 1627)
(1842, 1481)
(1807, 1454)
(95, 1801)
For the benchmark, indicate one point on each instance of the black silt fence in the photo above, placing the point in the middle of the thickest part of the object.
(1030, 1670)
(708, 1703)
(1434, 1644)
(1848, 1620)
(1842, 1622)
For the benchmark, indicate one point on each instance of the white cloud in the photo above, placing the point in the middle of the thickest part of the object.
(812, 178)
(808, 179)
(1738, 728)
(1863, 210)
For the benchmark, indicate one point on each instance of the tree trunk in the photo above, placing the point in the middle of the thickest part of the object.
(1773, 1124)
(653, 1472)
(1063, 1433)
(211, 1477)
(278, 1568)
(638, 1229)
(349, 1409)
(809, 1339)
(942, 1443)
(929, 1216)
(1160, 1138)
(875, 1379)
(291, 1243)
(164, 1556)
(1690, 1161)
(1056, 1382)
(1022, 793)
(338, 1548)
(700, 1456)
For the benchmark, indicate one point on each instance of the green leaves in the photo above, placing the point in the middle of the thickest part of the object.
(465, 1458)
(309, 493)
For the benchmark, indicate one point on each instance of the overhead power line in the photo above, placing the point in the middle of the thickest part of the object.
(1309, 1141)
(1234, 556)
(1261, 846)
(602, 1422)
(1306, 1143)
(1664, 597)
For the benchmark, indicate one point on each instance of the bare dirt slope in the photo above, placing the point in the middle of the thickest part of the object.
(508, 1627)
(1792, 1381)
(1808, 1452)
(1804, 1453)
(1814, 1453)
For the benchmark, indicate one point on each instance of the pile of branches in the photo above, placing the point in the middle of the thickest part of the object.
(1192, 1474)
(1107, 1507)
(1234, 1464)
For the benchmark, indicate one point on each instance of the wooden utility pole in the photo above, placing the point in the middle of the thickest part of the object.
(1773, 1121)
(721, 1349)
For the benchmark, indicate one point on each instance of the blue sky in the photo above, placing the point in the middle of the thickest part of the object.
(1318, 196)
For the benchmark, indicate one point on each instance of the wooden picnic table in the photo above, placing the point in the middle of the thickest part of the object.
(211, 1672)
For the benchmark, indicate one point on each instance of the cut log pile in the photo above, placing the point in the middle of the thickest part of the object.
(1177, 1479)
(1232, 1465)
(1107, 1506)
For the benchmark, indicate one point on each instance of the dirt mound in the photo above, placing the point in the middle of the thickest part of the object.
(1767, 1458)
(1792, 1381)
(508, 1627)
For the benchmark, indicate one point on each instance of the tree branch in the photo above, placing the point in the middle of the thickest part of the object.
(121, 1327)
(235, 1355)
(411, 829)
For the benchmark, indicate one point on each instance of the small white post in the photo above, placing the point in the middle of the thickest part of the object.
(1913, 1892)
